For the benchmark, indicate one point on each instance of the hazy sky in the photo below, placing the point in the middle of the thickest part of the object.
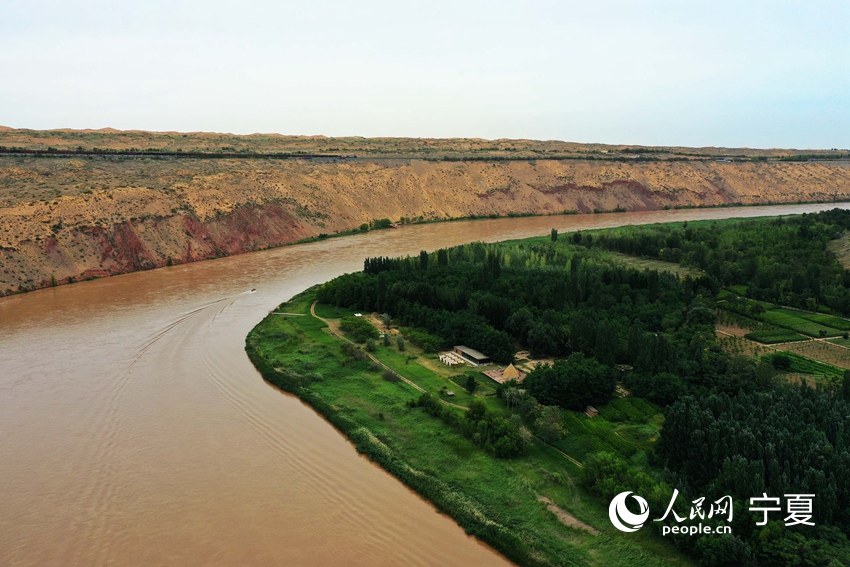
(743, 73)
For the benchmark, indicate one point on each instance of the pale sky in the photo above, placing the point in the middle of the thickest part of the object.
(744, 73)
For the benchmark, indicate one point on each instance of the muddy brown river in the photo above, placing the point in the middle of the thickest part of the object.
(134, 430)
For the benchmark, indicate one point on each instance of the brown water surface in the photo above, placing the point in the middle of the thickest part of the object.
(134, 430)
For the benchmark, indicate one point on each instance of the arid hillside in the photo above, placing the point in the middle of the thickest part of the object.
(71, 217)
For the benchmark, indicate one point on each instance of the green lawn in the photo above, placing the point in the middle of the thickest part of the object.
(496, 499)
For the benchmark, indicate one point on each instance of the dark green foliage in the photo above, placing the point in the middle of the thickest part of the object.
(543, 297)
(549, 424)
(354, 352)
(423, 339)
(781, 361)
(573, 384)
(782, 260)
(845, 386)
(773, 337)
(430, 404)
(359, 328)
(608, 474)
(791, 440)
(442, 257)
(471, 384)
(663, 388)
(554, 235)
(382, 223)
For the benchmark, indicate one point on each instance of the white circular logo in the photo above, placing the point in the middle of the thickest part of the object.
(624, 520)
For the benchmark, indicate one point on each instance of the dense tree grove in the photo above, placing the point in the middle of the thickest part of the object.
(572, 383)
(783, 260)
(787, 440)
(790, 440)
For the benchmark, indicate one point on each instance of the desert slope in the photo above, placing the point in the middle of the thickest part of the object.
(69, 218)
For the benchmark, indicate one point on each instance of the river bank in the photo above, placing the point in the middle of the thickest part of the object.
(518, 506)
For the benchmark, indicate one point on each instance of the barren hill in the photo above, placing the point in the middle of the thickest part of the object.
(68, 216)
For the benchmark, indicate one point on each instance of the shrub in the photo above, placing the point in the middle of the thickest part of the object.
(781, 361)
(359, 328)
(390, 376)
(426, 341)
(549, 424)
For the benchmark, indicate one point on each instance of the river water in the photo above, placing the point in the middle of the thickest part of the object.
(134, 430)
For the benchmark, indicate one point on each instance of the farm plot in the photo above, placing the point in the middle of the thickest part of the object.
(791, 319)
(742, 346)
(821, 351)
(827, 320)
(775, 337)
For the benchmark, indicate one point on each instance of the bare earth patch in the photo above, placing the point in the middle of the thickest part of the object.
(565, 517)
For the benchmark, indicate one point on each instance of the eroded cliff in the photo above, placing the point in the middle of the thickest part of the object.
(70, 218)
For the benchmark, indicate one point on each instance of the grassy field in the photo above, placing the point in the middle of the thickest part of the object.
(494, 499)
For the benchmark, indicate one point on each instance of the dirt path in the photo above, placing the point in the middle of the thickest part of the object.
(333, 326)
